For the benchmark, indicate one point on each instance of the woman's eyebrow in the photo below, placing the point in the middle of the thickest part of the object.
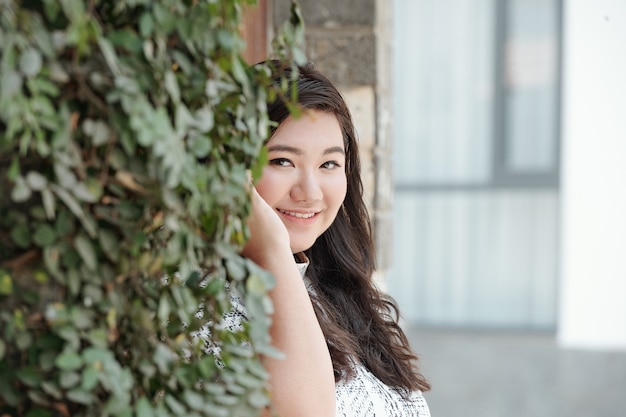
(285, 148)
(335, 149)
(298, 151)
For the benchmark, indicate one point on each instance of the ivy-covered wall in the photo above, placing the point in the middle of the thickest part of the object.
(128, 129)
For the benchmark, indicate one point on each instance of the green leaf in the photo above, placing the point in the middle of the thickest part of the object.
(194, 400)
(80, 396)
(36, 181)
(41, 277)
(98, 338)
(97, 130)
(88, 191)
(226, 39)
(143, 408)
(235, 269)
(164, 309)
(69, 333)
(43, 107)
(255, 368)
(126, 39)
(255, 285)
(259, 164)
(204, 119)
(65, 177)
(69, 361)
(93, 293)
(214, 389)
(162, 357)
(20, 234)
(69, 379)
(81, 318)
(64, 224)
(166, 20)
(85, 249)
(171, 85)
(109, 55)
(217, 411)
(73, 281)
(146, 24)
(31, 62)
(49, 203)
(109, 244)
(207, 367)
(52, 389)
(3, 349)
(23, 340)
(10, 84)
(177, 408)
(258, 399)
(118, 404)
(21, 191)
(14, 170)
(247, 380)
(45, 87)
(44, 235)
(76, 209)
(90, 378)
(199, 145)
(46, 360)
(97, 356)
(226, 399)
(30, 376)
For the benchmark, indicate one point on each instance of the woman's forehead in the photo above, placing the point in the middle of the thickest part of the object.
(312, 127)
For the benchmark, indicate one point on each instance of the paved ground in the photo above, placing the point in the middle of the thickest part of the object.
(517, 374)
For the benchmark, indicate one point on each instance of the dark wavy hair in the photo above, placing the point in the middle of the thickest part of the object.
(358, 320)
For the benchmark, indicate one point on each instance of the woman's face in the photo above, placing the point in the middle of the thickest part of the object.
(305, 180)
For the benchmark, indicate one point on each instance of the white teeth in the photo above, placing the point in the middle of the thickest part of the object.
(298, 215)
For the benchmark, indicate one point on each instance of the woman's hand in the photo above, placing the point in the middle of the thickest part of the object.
(269, 238)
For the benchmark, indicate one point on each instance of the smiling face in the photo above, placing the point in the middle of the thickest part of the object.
(305, 180)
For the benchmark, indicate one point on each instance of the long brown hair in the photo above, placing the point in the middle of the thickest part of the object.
(359, 321)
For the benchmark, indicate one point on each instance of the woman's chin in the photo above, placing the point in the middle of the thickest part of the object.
(298, 247)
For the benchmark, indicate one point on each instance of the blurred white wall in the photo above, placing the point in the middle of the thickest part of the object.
(593, 262)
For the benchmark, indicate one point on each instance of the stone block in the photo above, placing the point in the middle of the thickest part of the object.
(361, 101)
(348, 57)
(329, 13)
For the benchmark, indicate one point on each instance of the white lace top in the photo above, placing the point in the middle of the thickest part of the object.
(363, 395)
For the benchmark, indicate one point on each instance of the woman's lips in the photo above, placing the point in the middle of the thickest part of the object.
(297, 214)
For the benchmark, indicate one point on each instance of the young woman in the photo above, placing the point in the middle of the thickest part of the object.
(345, 353)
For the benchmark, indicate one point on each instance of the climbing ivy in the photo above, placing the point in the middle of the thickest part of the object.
(128, 130)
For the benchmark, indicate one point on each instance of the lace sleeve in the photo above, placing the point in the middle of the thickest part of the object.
(232, 320)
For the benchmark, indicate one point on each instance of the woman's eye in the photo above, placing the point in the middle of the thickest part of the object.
(331, 165)
(281, 162)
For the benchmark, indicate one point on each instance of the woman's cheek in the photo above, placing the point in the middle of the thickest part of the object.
(268, 186)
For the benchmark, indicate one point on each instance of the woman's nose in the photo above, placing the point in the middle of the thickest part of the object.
(307, 188)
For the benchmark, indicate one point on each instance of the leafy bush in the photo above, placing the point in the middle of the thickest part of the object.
(128, 128)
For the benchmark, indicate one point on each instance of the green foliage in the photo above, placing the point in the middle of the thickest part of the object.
(127, 131)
